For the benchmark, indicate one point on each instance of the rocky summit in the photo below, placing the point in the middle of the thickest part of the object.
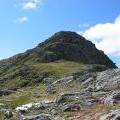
(64, 45)
(72, 47)
(64, 78)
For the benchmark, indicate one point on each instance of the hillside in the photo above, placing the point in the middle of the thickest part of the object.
(63, 78)
(63, 45)
(28, 68)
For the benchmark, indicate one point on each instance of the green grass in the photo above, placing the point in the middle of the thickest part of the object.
(18, 101)
(29, 74)
(58, 69)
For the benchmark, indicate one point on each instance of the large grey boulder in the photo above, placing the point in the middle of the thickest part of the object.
(108, 80)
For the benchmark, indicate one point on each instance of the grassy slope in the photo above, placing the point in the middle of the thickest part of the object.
(53, 70)
(29, 74)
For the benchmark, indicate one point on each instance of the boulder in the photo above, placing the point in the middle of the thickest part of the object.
(8, 113)
(24, 108)
(108, 80)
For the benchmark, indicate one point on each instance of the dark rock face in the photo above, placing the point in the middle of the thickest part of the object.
(73, 47)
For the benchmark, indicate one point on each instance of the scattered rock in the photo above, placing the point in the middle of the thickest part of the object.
(42, 116)
(71, 107)
(24, 108)
(8, 113)
(90, 103)
(7, 92)
(72, 96)
(112, 98)
(40, 105)
(114, 115)
(87, 82)
(58, 118)
(47, 81)
(51, 89)
(85, 117)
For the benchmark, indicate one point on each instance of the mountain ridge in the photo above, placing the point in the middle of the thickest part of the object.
(64, 45)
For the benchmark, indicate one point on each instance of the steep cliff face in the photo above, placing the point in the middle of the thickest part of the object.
(71, 46)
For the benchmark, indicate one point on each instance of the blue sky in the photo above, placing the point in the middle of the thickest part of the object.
(25, 23)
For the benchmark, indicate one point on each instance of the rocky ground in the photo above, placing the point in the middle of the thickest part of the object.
(82, 95)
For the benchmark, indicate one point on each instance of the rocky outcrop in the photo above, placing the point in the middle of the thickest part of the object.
(72, 96)
(7, 91)
(97, 89)
(114, 115)
(70, 46)
(108, 80)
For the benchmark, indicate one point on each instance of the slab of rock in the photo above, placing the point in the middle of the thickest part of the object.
(8, 113)
(112, 98)
(71, 107)
(108, 80)
(90, 103)
(7, 92)
(114, 115)
(51, 89)
(39, 105)
(37, 117)
(73, 96)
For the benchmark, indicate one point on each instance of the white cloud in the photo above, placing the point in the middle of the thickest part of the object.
(106, 36)
(32, 4)
(23, 19)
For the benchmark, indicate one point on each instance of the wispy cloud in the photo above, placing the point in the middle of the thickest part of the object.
(23, 19)
(32, 4)
(84, 25)
(106, 36)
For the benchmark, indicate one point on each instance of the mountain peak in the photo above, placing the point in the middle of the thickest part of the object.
(71, 46)
(63, 36)
(63, 45)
